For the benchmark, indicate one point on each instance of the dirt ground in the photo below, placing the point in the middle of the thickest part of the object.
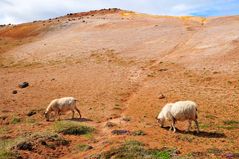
(118, 64)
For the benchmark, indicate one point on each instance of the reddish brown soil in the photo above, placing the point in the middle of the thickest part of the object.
(111, 58)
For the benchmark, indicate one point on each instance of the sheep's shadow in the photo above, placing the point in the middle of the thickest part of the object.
(200, 134)
(80, 119)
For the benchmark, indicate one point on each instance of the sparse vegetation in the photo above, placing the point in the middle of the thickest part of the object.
(5, 149)
(215, 151)
(230, 122)
(186, 138)
(110, 124)
(138, 133)
(228, 127)
(204, 126)
(136, 149)
(15, 120)
(9, 147)
(209, 116)
(4, 129)
(72, 128)
(83, 147)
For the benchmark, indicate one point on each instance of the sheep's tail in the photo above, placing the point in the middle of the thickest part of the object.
(196, 114)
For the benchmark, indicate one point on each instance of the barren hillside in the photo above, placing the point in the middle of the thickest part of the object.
(123, 67)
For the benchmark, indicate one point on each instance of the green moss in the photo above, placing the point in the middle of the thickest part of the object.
(72, 128)
(15, 120)
(231, 122)
(134, 149)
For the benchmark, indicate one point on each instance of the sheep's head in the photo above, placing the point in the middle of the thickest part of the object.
(160, 121)
(46, 115)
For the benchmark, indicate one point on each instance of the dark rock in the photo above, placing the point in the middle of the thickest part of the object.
(25, 146)
(127, 119)
(31, 113)
(120, 132)
(161, 96)
(43, 143)
(138, 133)
(110, 124)
(14, 92)
(163, 69)
(3, 117)
(23, 85)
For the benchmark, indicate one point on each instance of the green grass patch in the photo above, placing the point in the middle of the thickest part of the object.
(204, 126)
(31, 121)
(6, 154)
(15, 120)
(230, 122)
(215, 151)
(209, 116)
(162, 154)
(135, 149)
(4, 130)
(229, 127)
(5, 149)
(9, 148)
(72, 128)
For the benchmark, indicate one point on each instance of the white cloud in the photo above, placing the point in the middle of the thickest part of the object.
(18, 11)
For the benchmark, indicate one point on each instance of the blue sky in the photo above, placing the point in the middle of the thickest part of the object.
(19, 11)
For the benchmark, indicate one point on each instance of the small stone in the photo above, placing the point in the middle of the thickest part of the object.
(25, 146)
(120, 132)
(161, 96)
(23, 84)
(31, 113)
(110, 124)
(14, 92)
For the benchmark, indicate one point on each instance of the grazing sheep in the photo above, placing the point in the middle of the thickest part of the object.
(179, 111)
(165, 114)
(62, 105)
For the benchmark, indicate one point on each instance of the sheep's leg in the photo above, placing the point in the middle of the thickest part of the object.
(173, 125)
(78, 111)
(73, 113)
(196, 122)
(189, 125)
(58, 114)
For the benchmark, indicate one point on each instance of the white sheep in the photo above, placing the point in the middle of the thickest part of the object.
(62, 105)
(179, 111)
(165, 114)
